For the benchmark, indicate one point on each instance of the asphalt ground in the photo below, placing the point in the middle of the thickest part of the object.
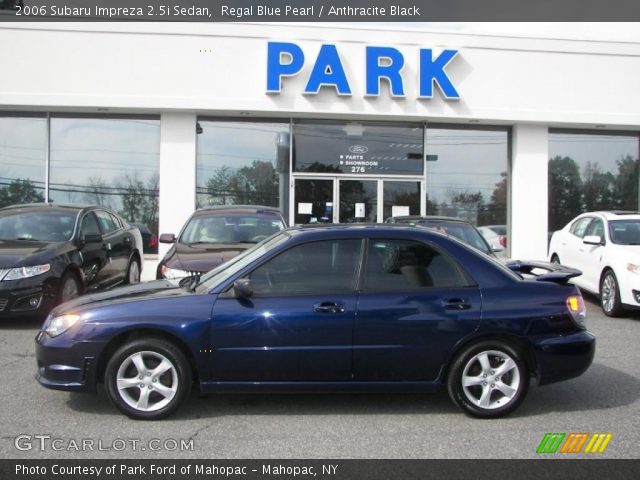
(605, 399)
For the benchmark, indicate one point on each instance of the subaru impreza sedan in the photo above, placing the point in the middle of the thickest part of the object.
(326, 308)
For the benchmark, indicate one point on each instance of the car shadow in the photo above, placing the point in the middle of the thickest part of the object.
(22, 323)
(574, 395)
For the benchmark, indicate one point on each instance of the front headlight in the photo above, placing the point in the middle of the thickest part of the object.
(633, 268)
(26, 272)
(60, 324)
(173, 273)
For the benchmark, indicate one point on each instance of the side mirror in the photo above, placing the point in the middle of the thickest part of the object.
(91, 238)
(242, 288)
(167, 238)
(593, 240)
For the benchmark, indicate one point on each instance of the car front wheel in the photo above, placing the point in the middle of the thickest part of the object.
(610, 295)
(488, 379)
(133, 272)
(148, 378)
(69, 287)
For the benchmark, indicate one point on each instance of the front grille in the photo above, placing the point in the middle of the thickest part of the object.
(3, 303)
(3, 272)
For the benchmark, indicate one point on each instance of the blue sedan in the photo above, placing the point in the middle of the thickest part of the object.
(327, 308)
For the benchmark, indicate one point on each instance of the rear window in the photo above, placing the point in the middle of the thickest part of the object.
(462, 231)
(498, 230)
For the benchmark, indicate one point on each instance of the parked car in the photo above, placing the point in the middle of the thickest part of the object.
(496, 237)
(149, 239)
(214, 235)
(326, 308)
(455, 227)
(51, 253)
(605, 246)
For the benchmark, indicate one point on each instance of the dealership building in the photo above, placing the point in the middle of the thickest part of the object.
(329, 123)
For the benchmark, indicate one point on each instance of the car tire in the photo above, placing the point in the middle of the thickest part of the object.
(478, 386)
(133, 272)
(69, 287)
(133, 387)
(555, 259)
(610, 295)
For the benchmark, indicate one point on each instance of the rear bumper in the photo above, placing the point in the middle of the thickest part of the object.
(561, 358)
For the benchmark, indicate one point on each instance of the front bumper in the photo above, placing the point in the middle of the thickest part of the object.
(16, 297)
(561, 358)
(66, 365)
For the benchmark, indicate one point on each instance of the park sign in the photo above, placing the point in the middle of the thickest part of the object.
(286, 59)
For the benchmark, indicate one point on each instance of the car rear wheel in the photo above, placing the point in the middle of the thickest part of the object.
(610, 295)
(148, 379)
(69, 287)
(133, 271)
(488, 379)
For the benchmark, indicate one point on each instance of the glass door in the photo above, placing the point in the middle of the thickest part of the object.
(314, 201)
(358, 201)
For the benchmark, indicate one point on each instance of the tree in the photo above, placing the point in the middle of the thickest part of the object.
(597, 188)
(19, 191)
(496, 211)
(565, 191)
(625, 189)
(97, 192)
(139, 199)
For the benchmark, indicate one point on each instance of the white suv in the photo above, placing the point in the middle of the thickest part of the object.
(605, 246)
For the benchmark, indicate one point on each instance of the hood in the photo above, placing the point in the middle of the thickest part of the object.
(15, 253)
(139, 291)
(203, 257)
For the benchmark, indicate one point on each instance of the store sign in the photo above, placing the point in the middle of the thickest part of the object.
(382, 63)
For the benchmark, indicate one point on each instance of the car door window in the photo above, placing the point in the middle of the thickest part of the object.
(107, 223)
(90, 225)
(312, 268)
(394, 265)
(579, 227)
(596, 227)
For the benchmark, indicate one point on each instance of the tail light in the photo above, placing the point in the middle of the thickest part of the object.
(153, 241)
(503, 240)
(577, 309)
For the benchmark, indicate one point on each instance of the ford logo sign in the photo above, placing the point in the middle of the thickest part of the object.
(358, 149)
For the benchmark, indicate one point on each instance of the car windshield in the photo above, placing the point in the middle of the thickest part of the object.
(37, 225)
(220, 228)
(228, 269)
(462, 231)
(625, 232)
(499, 230)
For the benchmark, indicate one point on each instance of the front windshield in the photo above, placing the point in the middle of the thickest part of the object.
(465, 233)
(625, 232)
(37, 226)
(226, 270)
(220, 228)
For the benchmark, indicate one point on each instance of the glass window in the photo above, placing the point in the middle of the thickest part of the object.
(467, 174)
(358, 148)
(400, 198)
(396, 265)
(310, 269)
(90, 225)
(106, 221)
(111, 162)
(625, 232)
(35, 226)
(358, 201)
(579, 227)
(242, 163)
(590, 172)
(23, 150)
(595, 228)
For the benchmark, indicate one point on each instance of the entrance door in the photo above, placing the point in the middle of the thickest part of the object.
(358, 201)
(314, 201)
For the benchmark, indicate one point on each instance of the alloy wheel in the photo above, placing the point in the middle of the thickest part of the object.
(608, 293)
(490, 379)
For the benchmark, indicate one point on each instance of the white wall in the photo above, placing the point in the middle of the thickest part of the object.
(529, 192)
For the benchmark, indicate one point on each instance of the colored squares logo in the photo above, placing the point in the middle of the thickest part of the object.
(574, 443)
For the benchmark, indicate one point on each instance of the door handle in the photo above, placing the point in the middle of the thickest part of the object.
(328, 307)
(456, 304)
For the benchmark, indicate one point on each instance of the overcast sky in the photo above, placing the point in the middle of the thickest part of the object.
(616, 31)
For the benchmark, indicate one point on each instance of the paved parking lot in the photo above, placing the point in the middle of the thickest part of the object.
(605, 399)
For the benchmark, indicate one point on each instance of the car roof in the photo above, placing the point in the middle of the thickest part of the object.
(616, 214)
(432, 218)
(58, 207)
(359, 228)
(236, 209)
